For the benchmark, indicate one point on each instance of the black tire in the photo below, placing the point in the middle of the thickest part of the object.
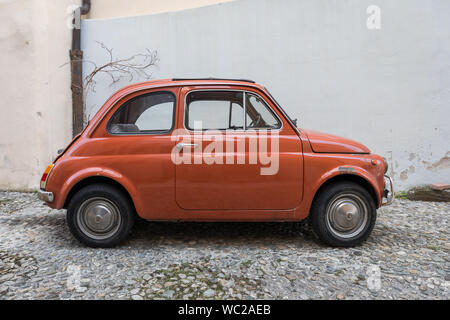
(96, 195)
(329, 206)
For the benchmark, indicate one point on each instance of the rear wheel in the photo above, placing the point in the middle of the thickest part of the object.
(100, 215)
(343, 214)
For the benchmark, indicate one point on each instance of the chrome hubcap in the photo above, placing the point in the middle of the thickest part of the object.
(347, 215)
(98, 218)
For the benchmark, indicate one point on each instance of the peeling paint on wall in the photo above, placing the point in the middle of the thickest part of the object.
(443, 163)
(404, 175)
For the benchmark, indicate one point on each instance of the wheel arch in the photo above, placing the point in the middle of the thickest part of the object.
(352, 178)
(97, 179)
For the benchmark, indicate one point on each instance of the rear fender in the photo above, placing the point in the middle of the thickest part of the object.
(99, 172)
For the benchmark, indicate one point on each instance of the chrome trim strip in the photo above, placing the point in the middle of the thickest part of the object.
(244, 96)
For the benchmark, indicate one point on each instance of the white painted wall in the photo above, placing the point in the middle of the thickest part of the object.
(387, 88)
(36, 105)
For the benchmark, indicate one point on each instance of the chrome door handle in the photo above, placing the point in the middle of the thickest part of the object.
(186, 145)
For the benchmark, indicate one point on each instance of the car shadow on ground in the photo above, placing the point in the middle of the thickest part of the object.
(146, 234)
(52, 227)
(221, 233)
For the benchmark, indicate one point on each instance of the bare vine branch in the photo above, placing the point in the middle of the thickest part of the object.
(118, 69)
(137, 66)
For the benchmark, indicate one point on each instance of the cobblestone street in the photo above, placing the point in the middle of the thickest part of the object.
(39, 258)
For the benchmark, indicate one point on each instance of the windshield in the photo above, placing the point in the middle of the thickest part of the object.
(293, 122)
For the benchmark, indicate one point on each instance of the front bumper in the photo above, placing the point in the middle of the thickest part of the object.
(388, 193)
(45, 195)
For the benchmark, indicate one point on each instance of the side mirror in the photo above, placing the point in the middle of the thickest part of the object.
(295, 122)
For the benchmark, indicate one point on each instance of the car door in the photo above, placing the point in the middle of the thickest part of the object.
(235, 152)
(135, 144)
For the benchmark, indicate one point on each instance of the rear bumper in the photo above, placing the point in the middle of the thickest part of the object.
(45, 196)
(388, 193)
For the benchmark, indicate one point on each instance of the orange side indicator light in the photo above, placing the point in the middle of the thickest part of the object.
(45, 176)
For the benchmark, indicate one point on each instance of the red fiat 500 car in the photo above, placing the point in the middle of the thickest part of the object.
(211, 150)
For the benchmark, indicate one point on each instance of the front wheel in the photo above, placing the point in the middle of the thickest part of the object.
(100, 215)
(343, 214)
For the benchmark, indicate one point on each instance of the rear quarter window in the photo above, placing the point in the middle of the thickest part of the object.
(151, 113)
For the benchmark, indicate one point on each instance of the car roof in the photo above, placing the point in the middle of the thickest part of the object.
(212, 79)
(175, 82)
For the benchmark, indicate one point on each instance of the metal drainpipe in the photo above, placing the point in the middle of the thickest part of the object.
(76, 57)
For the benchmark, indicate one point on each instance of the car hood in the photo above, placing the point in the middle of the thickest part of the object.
(328, 143)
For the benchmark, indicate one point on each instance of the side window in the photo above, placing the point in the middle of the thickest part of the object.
(236, 116)
(149, 113)
(214, 110)
(259, 115)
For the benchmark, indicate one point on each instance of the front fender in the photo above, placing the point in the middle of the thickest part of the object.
(351, 170)
(314, 181)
